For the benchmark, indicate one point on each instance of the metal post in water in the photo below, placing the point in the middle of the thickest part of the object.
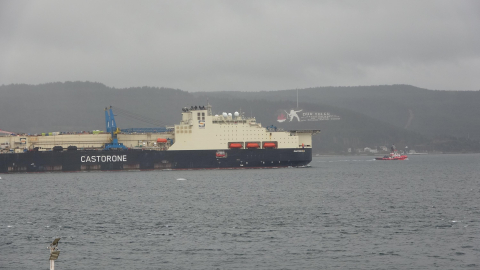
(54, 252)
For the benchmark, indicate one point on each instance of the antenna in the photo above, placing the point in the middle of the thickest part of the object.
(209, 108)
(297, 98)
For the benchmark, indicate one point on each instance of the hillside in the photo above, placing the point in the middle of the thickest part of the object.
(431, 113)
(365, 121)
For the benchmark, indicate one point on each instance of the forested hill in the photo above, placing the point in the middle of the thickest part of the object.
(76, 106)
(431, 113)
(369, 116)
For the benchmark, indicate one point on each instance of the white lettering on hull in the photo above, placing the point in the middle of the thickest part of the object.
(117, 158)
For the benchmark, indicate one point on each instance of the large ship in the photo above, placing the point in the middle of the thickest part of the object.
(200, 141)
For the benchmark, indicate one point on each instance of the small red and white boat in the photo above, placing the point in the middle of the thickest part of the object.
(394, 155)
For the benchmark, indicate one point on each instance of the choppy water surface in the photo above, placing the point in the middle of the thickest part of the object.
(344, 213)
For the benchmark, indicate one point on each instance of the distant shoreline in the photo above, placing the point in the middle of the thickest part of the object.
(382, 154)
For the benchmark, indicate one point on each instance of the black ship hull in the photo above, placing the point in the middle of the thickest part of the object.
(83, 160)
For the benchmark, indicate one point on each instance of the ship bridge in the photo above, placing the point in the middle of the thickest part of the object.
(200, 129)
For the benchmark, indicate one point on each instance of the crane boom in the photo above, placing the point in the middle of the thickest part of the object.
(111, 127)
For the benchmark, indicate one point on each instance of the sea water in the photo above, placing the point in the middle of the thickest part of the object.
(342, 213)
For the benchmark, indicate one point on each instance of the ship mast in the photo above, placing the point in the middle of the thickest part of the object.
(209, 109)
(297, 98)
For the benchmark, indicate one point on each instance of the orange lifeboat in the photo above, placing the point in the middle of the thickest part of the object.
(252, 145)
(269, 145)
(235, 145)
(161, 140)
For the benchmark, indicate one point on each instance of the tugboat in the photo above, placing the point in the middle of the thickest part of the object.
(394, 155)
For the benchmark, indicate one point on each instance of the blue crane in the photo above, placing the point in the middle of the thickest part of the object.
(111, 127)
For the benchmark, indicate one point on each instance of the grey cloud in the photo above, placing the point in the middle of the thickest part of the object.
(242, 45)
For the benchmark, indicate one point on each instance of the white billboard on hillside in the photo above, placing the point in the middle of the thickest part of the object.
(300, 115)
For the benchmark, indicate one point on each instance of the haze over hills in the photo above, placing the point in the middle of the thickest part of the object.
(432, 113)
(370, 116)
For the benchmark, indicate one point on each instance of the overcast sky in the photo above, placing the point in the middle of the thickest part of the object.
(242, 45)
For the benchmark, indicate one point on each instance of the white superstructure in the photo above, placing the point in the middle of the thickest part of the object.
(199, 129)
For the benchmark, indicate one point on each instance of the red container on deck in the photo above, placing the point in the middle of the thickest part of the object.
(253, 145)
(269, 145)
(235, 145)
